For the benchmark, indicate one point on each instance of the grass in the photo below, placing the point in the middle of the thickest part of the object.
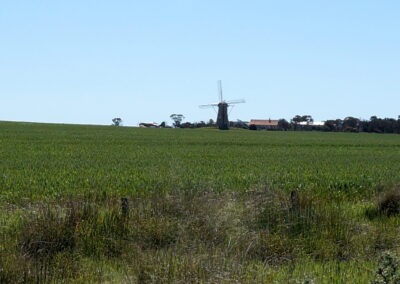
(198, 205)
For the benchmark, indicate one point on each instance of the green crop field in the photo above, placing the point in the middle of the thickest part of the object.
(202, 205)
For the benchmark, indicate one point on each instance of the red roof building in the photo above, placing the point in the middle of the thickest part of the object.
(264, 123)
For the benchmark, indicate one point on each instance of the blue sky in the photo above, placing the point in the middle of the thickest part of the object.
(89, 61)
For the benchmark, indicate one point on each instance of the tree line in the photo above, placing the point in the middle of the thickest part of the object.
(300, 123)
(373, 125)
(348, 124)
(306, 123)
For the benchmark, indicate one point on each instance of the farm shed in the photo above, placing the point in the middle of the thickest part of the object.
(263, 124)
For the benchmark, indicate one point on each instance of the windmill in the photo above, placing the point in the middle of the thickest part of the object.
(222, 118)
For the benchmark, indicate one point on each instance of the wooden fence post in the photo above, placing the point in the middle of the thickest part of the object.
(124, 206)
(294, 200)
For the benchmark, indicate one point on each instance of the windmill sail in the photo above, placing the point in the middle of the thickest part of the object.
(220, 90)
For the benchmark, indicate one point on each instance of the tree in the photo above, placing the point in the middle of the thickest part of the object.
(301, 118)
(177, 118)
(398, 125)
(117, 121)
(201, 124)
(330, 125)
(351, 124)
(307, 118)
(187, 125)
(295, 121)
(283, 124)
(375, 124)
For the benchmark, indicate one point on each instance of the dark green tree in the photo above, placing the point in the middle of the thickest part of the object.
(295, 121)
(117, 121)
(177, 118)
(351, 124)
(283, 124)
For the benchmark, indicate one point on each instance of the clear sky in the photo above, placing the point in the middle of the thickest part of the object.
(88, 61)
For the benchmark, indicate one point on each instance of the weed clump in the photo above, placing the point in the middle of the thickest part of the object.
(388, 270)
(48, 234)
(389, 203)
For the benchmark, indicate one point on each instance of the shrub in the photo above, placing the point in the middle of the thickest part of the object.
(389, 203)
(388, 270)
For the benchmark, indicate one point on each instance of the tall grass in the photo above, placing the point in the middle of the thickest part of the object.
(193, 237)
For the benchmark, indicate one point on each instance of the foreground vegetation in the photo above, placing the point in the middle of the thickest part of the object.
(108, 204)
